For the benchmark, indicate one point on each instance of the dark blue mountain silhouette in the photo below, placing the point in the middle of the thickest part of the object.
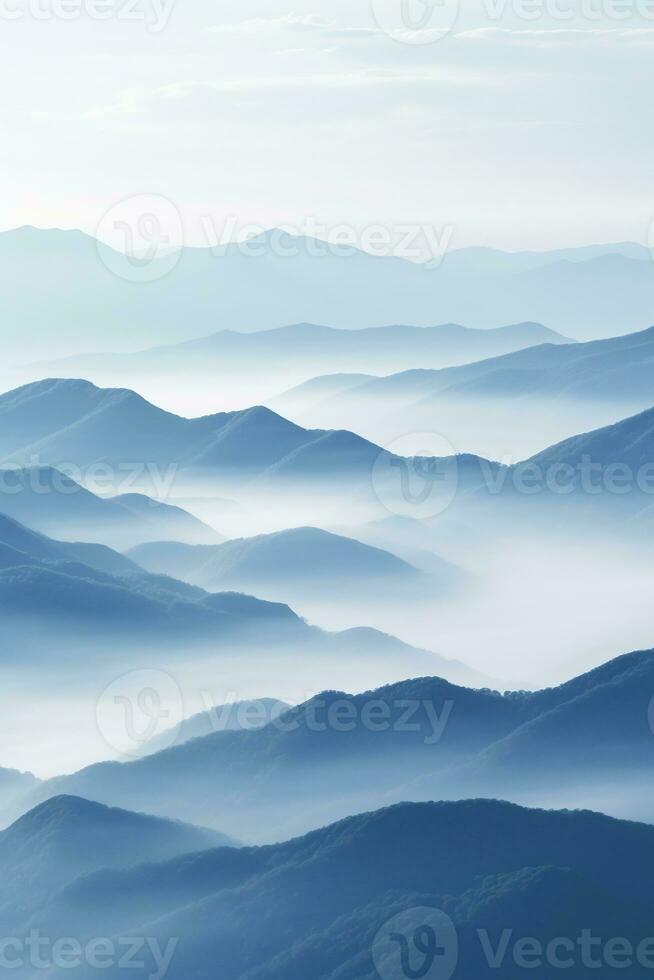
(317, 905)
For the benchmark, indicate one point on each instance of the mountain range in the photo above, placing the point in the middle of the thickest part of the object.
(280, 279)
(230, 366)
(420, 739)
(465, 888)
(254, 452)
(551, 391)
(48, 500)
(56, 597)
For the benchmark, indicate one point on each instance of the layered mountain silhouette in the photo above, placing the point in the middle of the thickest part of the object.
(255, 450)
(281, 279)
(468, 887)
(54, 596)
(21, 546)
(13, 785)
(50, 501)
(419, 739)
(589, 384)
(605, 477)
(305, 557)
(259, 363)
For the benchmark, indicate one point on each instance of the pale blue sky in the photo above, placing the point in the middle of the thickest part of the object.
(516, 132)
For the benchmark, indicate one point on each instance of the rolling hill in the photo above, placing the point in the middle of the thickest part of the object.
(305, 556)
(419, 739)
(476, 877)
(555, 389)
(48, 500)
(67, 837)
(255, 452)
(79, 604)
(228, 364)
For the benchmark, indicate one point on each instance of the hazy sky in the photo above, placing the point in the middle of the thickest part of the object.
(521, 128)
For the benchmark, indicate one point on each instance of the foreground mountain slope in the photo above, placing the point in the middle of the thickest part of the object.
(326, 904)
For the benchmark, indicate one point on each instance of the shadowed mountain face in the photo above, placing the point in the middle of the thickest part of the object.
(50, 501)
(421, 739)
(75, 421)
(231, 369)
(551, 390)
(67, 837)
(462, 884)
(280, 279)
